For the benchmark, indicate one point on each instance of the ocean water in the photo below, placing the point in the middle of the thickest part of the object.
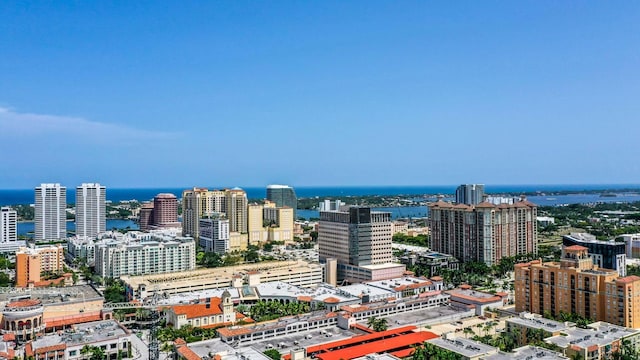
(26, 196)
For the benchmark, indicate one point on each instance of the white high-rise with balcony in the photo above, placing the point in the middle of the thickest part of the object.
(90, 209)
(50, 213)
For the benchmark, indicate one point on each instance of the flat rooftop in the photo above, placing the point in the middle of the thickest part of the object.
(538, 322)
(87, 333)
(54, 295)
(473, 295)
(464, 347)
(599, 333)
(527, 352)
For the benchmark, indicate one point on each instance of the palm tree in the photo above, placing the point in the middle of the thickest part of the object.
(380, 325)
(371, 321)
(467, 331)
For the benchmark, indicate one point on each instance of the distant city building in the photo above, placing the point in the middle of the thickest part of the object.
(90, 209)
(545, 221)
(236, 209)
(576, 286)
(50, 212)
(165, 211)
(484, 232)
(31, 263)
(606, 254)
(214, 234)
(330, 205)
(360, 240)
(470, 194)
(200, 202)
(433, 262)
(145, 219)
(283, 196)
(148, 254)
(9, 231)
(632, 244)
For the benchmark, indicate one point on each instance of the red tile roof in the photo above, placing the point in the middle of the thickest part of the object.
(576, 247)
(73, 319)
(188, 354)
(628, 279)
(199, 310)
(24, 303)
(379, 346)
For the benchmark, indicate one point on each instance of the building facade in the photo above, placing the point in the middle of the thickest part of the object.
(214, 235)
(576, 285)
(90, 209)
(153, 254)
(197, 203)
(470, 194)
(268, 222)
(31, 263)
(165, 211)
(9, 231)
(605, 254)
(236, 209)
(145, 218)
(50, 212)
(483, 232)
(283, 196)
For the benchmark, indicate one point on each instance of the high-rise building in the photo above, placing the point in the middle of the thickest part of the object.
(267, 222)
(145, 218)
(236, 209)
(484, 232)
(470, 194)
(360, 240)
(606, 254)
(90, 209)
(197, 203)
(214, 234)
(283, 196)
(32, 262)
(9, 242)
(8, 225)
(165, 211)
(575, 285)
(50, 212)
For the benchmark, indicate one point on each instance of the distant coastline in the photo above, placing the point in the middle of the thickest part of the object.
(26, 196)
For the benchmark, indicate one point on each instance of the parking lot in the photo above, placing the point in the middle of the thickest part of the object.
(304, 339)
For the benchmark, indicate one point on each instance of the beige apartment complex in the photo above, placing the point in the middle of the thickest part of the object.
(32, 262)
(576, 286)
(267, 222)
(484, 232)
(201, 202)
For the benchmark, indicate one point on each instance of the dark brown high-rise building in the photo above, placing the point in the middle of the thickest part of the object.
(145, 220)
(165, 211)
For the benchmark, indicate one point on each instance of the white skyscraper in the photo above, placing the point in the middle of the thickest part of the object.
(8, 225)
(90, 209)
(50, 214)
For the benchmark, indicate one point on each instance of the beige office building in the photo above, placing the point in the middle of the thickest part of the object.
(198, 203)
(266, 222)
(236, 209)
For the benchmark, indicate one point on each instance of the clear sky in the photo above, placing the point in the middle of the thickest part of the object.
(158, 93)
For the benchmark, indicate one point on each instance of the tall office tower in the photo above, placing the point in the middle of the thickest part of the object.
(199, 202)
(357, 237)
(257, 232)
(214, 234)
(165, 211)
(236, 209)
(8, 225)
(483, 232)
(575, 285)
(51, 214)
(470, 194)
(283, 195)
(145, 218)
(90, 209)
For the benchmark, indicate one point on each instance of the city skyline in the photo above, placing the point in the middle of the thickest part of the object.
(543, 90)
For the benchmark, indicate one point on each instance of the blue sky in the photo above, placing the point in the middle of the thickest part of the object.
(148, 94)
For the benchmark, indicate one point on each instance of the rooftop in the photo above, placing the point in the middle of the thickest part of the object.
(464, 347)
(52, 296)
(473, 295)
(538, 322)
(599, 333)
(527, 353)
(82, 334)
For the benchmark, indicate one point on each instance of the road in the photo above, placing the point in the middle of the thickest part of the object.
(140, 349)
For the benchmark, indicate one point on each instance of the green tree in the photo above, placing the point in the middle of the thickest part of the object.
(273, 353)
